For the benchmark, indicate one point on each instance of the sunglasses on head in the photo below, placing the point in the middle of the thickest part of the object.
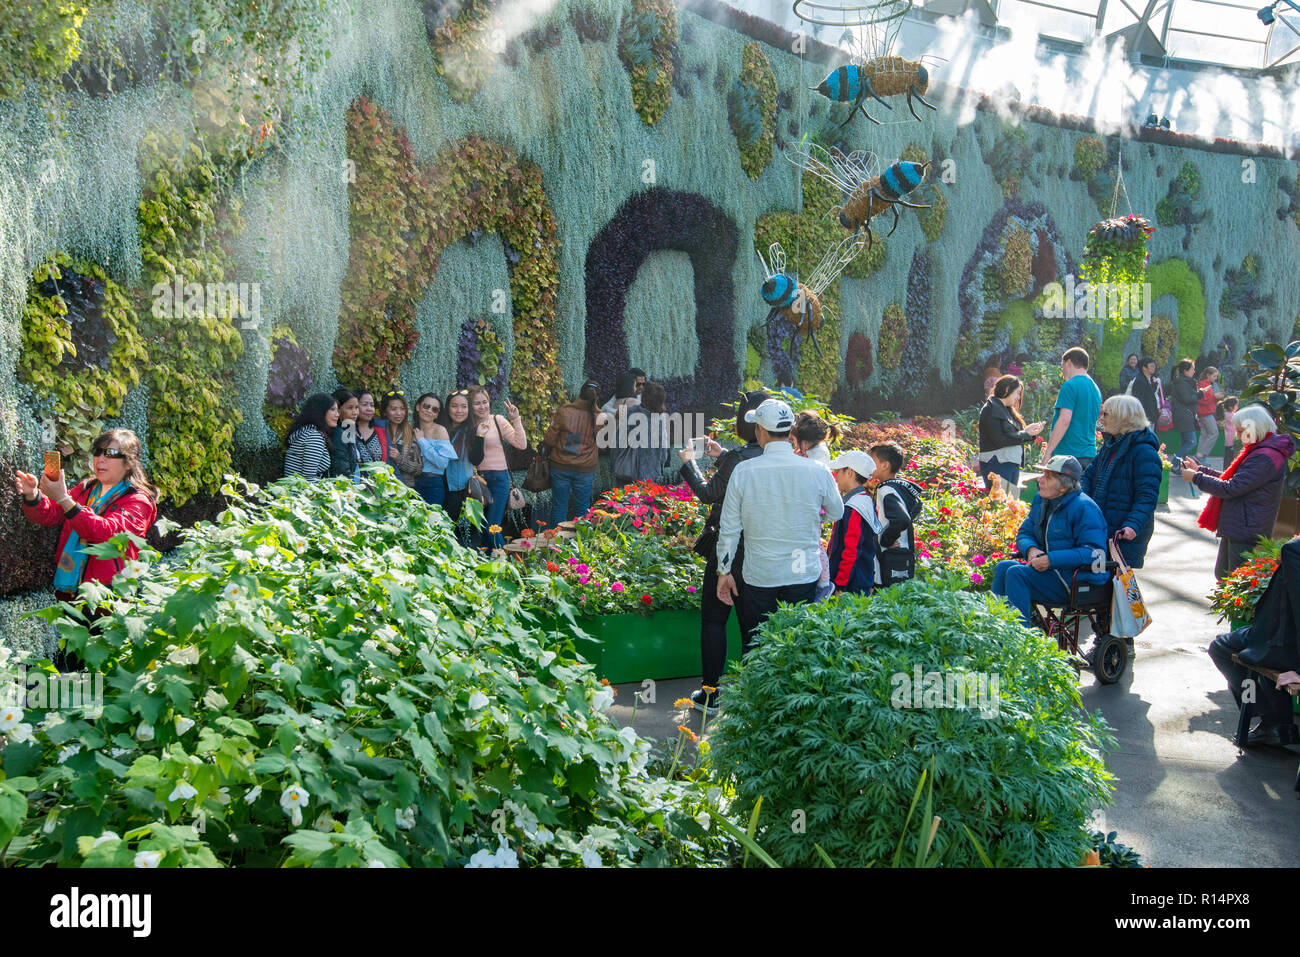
(399, 392)
(108, 453)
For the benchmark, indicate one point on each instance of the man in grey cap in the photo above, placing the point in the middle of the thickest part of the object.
(779, 500)
(1064, 531)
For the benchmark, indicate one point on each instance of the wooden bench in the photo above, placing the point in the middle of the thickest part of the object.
(1248, 707)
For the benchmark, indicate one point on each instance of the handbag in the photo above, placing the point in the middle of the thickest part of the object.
(1128, 613)
(538, 478)
(1165, 420)
(477, 489)
(516, 500)
(517, 460)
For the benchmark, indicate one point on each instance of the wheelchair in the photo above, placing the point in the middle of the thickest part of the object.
(1090, 602)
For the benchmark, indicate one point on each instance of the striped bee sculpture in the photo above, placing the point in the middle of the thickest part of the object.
(866, 193)
(798, 304)
(877, 77)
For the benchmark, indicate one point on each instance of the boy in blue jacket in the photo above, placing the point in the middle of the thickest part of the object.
(1064, 531)
(853, 551)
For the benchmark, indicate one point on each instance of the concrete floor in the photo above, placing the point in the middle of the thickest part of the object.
(1184, 795)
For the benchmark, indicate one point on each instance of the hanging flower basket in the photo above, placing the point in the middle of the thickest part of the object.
(1114, 261)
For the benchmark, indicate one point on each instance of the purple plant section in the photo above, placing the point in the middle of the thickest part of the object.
(289, 379)
(468, 358)
(916, 351)
(783, 334)
(666, 219)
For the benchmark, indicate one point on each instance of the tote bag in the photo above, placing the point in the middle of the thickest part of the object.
(1128, 613)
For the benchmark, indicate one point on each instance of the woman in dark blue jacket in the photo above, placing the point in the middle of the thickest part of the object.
(1124, 478)
(1064, 532)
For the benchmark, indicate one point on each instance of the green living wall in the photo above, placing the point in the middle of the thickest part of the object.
(591, 185)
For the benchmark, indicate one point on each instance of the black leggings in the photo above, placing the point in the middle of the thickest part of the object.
(713, 621)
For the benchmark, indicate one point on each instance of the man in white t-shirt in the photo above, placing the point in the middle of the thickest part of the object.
(779, 500)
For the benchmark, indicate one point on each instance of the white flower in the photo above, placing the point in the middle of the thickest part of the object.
(118, 752)
(183, 724)
(253, 795)
(144, 732)
(544, 836)
(189, 655)
(376, 864)
(505, 856)
(222, 796)
(546, 659)
(478, 700)
(405, 818)
(481, 859)
(524, 818)
(295, 816)
(105, 837)
(52, 719)
(275, 668)
(182, 792)
(704, 819)
(10, 718)
(627, 743)
(324, 823)
(265, 551)
(21, 733)
(591, 859)
(48, 826)
(148, 858)
(602, 699)
(294, 797)
(713, 795)
(4, 654)
(231, 591)
(68, 752)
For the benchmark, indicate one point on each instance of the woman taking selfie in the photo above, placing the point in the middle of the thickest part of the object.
(403, 451)
(1003, 434)
(456, 421)
(435, 450)
(117, 497)
(494, 431)
(311, 438)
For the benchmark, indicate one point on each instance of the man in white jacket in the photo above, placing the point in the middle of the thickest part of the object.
(779, 500)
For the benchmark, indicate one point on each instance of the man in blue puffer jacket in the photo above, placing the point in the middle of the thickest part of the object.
(1064, 531)
(1124, 478)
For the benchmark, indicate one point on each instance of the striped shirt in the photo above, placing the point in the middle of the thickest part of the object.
(307, 454)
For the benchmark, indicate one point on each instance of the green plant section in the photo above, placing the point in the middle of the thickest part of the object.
(463, 52)
(1176, 278)
(828, 718)
(927, 194)
(1011, 159)
(38, 41)
(1017, 319)
(893, 336)
(751, 110)
(325, 678)
(646, 45)
(1089, 156)
(184, 220)
(86, 385)
(1014, 273)
(1159, 339)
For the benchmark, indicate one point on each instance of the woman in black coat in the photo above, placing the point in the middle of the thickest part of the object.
(1146, 389)
(1183, 401)
(1003, 433)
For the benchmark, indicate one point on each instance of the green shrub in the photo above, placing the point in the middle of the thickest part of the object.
(810, 727)
(334, 639)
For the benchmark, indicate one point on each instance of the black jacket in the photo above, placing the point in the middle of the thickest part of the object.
(714, 491)
(1183, 402)
(1275, 631)
(1144, 390)
(998, 429)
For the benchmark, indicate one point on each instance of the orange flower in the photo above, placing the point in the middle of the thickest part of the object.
(688, 732)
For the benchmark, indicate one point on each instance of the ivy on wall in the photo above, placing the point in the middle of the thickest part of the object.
(927, 194)
(1176, 209)
(1176, 278)
(666, 219)
(751, 110)
(1158, 339)
(462, 43)
(647, 45)
(893, 336)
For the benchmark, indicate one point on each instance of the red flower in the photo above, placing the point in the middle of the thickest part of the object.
(646, 599)
(552, 567)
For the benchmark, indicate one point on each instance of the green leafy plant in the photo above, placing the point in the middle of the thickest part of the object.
(325, 678)
(463, 48)
(893, 336)
(1274, 382)
(1158, 339)
(1111, 853)
(38, 41)
(1235, 597)
(1089, 156)
(1115, 257)
(646, 45)
(927, 194)
(751, 110)
(817, 720)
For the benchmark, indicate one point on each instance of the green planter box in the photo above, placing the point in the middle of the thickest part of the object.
(1164, 486)
(664, 645)
(1031, 489)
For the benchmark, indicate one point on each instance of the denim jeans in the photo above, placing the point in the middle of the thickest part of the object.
(1188, 444)
(498, 483)
(1022, 585)
(761, 602)
(432, 488)
(571, 493)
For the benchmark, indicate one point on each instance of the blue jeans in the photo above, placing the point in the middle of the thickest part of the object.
(498, 483)
(431, 488)
(1189, 444)
(1021, 585)
(572, 494)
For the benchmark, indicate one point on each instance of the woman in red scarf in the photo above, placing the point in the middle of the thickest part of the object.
(1246, 494)
(116, 498)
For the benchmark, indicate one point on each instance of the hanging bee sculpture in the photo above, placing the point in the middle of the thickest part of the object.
(877, 77)
(798, 305)
(866, 194)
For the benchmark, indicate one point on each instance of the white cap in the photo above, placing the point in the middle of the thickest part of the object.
(855, 459)
(773, 415)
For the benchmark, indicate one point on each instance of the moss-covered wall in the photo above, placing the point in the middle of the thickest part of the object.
(562, 99)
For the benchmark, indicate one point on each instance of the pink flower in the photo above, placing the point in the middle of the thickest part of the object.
(573, 561)
(977, 578)
(691, 589)
(582, 579)
(617, 586)
(978, 560)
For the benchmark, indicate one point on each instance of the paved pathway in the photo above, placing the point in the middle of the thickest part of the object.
(1184, 794)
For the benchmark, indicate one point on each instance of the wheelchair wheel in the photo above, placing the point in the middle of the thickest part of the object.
(1109, 659)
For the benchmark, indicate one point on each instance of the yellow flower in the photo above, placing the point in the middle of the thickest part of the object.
(682, 703)
(494, 529)
(709, 688)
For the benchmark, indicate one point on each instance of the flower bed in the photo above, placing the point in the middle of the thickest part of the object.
(1234, 599)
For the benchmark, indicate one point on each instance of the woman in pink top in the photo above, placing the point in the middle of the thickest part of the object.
(489, 454)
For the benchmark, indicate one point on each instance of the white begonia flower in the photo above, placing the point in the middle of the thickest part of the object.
(189, 655)
(183, 723)
(182, 792)
(546, 659)
(703, 819)
(524, 818)
(591, 859)
(602, 699)
(376, 864)
(627, 743)
(324, 823)
(51, 720)
(118, 752)
(295, 797)
(478, 700)
(544, 836)
(10, 718)
(222, 796)
(231, 591)
(405, 817)
(21, 733)
(68, 752)
(295, 816)
(481, 859)
(253, 795)
(148, 858)
(144, 732)
(105, 837)
(265, 551)
(275, 668)
(49, 825)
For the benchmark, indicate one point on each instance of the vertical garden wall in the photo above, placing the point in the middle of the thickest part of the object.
(589, 187)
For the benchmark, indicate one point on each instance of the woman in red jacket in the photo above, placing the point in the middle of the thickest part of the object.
(117, 498)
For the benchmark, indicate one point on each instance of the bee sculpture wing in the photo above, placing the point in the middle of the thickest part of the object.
(863, 165)
(776, 256)
(827, 166)
(833, 263)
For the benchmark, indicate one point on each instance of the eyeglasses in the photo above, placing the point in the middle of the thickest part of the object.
(108, 453)
(428, 407)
